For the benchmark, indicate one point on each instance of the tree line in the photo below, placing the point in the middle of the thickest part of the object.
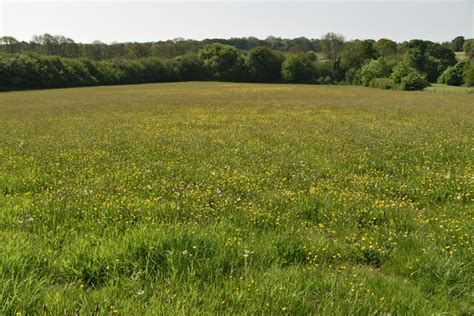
(55, 61)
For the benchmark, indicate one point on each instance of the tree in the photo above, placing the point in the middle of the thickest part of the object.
(457, 43)
(332, 45)
(139, 50)
(468, 74)
(10, 42)
(191, 68)
(405, 77)
(453, 75)
(95, 51)
(373, 69)
(386, 47)
(225, 62)
(297, 68)
(356, 53)
(401, 70)
(445, 55)
(300, 44)
(469, 48)
(264, 65)
(413, 81)
(420, 60)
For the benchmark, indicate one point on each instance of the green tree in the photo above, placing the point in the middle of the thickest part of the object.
(457, 43)
(139, 50)
(332, 45)
(386, 47)
(356, 53)
(405, 77)
(445, 55)
(10, 43)
(264, 65)
(95, 51)
(413, 81)
(372, 70)
(191, 68)
(297, 68)
(453, 75)
(225, 62)
(468, 74)
(469, 48)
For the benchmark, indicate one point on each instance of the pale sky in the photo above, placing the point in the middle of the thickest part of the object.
(141, 21)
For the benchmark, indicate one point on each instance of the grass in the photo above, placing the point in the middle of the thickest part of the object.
(222, 198)
(444, 88)
(461, 56)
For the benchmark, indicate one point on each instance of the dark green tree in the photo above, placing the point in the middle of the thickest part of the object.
(297, 68)
(457, 43)
(385, 47)
(225, 62)
(468, 48)
(264, 65)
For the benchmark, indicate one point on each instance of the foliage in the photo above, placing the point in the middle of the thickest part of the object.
(297, 68)
(386, 47)
(37, 71)
(356, 53)
(407, 78)
(326, 60)
(468, 74)
(457, 43)
(469, 48)
(191, 68)
(264, 65)
(413, 81)
(400, 70)
(225, 62)
(373, 69)
(453, 75)
(332, 45)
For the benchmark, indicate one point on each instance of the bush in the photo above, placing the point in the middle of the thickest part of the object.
(372, 70)
(297, 69)
(381, 83)
(191, 68)
(406, 78)
(324, 72)
(225, 62)
(468, 48)
(453, 75)
(264, 65)
(468, 74)
(413, 81)
(400, 70)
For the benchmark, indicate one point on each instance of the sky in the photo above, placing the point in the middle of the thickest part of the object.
(142, 21)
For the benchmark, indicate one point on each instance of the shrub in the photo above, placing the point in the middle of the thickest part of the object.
(297, 69)
(453, 75)
(468, 48)
(372, 70)
(264, 65)
(468, 74)
(191, 68)
(381, 83)
(401, 70)
(225, 62)
(413, 81)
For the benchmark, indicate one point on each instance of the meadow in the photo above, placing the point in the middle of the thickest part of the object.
(225, 198)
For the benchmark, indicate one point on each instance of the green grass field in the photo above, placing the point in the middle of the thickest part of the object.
(444, 88)
(222, 198)
(461, 56)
